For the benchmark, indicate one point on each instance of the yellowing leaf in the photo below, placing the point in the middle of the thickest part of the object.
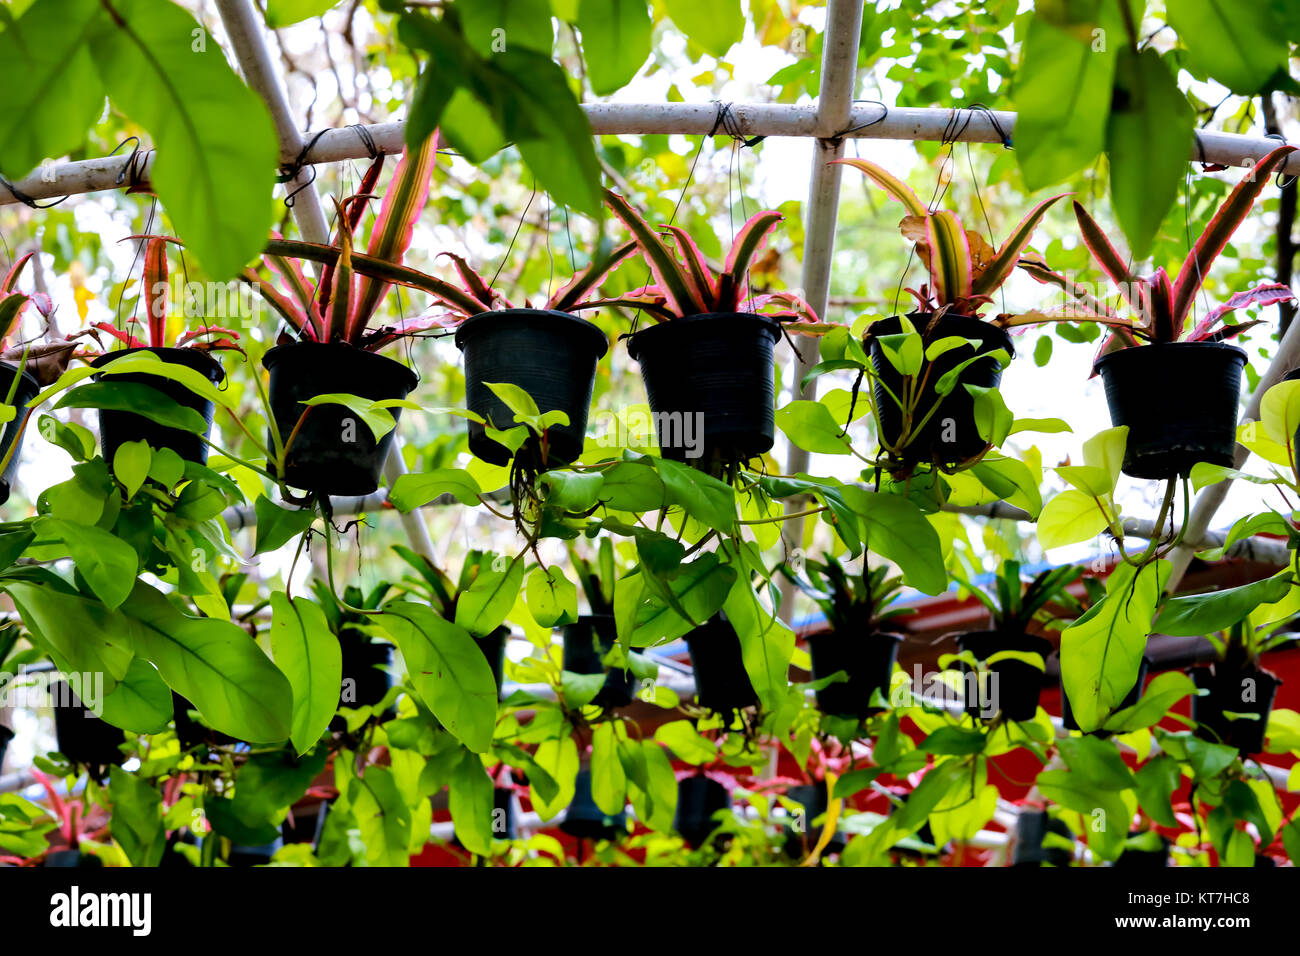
(1069, 518)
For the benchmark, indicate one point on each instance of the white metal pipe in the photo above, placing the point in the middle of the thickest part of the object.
(902, 123)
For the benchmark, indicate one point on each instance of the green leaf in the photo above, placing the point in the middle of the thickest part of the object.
(52, 93)
(953, 740)
(632, 486)
(551, 597)
(277, 526)
(1241, 45)
(494, 26)
(571, 490)
(615, 41)
(993, 420)
(88, 637)
(1062, 93)
(383, 816)
(515, 399)
(137, 398)
(1160, 695)
(378, 419)
(1069, 518)
(895, 528)
(1155, 783)
(700, 588)
(282, 13)
(1010, 480)
(703, 497)
(141, 703)
(416, 489)
(686, 742)
(608, 778)
(937, 784)
(307, 652)
(215, 165)
(1106, 815)
(1148, 137)
(766, 643)
(1102, 650)
(1197, 614)
(482, 607)
(470, 802)
(447, 669)
(137, 819)
(810, 426)
(1096, 759)
(215, 664)
(107, 562)
(131, 464)
(714, 27)
(903, 351)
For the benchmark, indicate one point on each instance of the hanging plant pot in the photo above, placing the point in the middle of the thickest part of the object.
(950, 435)
(191, 732)
(82, 737)
(1032, 828)
(6, 735)
(550, 355)
(1179, 401)
(586, 821)
(799, 842)
(1010, 687)
(586, 642)
(1146, 858)
(365, 680)
(711, 384)
(333, 452)
(118, 427)
(699, 799)
(241, 855)
(1234, 691)
(73, 858)
(13, 430)
(1131, 698)
(869, 663)
(493, 646)
(721, 681)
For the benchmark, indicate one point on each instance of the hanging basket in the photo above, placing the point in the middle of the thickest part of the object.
(586, 642)
(950, 435)
(364, 664)
(1032, 828)
(699, 799)
(867, 660)
(118, 427)
(1010, 687)
(82, 737)
(333, 452)
(721, 682)
(1179, 401)
(12, 437)
(550, 355)
(710, 381)
(586, 821)
(1239, 691)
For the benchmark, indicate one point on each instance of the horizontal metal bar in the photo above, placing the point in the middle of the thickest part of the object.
(867, 121)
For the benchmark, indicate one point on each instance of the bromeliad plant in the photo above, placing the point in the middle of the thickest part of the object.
(852, 603)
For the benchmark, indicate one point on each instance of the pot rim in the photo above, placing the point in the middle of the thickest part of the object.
(1108, 359)
(277, 353)
(477, 324)
(24, 376)
(660, 328)
(830, 632)
(162, 351)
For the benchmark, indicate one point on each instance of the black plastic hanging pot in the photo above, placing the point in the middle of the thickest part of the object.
(550, 355)
(1009, 686)
(586, 821)
(1032, 828)
(721, 681)
(586, 642)
(711, 384)
(13, 429)
(82, 737)
(1144, 859)
(867, 660)
(260, 855)
(814, 799)
(1131, 698)
(6, 735)
(950, 435)
(365, 681)
(1179, 401)
(191, 732)
(73, 858)
(118, 427)
(1241, 691)
(493, 646)
(333, 452)
(699, 799)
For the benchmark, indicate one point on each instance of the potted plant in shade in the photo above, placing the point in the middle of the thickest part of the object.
(549, 352)
(18, 385)
(721, 682)
(84, 739)
(708, 357)
(922, 398)
(702, 794)
(191, 350)
(1008, 676)
(1235, 693)
(856, 608)
(591, 638)
(331, 351)
(1175, 388)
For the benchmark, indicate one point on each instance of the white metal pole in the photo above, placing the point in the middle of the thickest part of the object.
(243, 26)
(834, 111)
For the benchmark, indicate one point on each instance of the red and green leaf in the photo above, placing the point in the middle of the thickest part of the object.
(950, 265)
(732, 281)
(996, 272)
(1226, 219)
(1264, 294)
(570, 296)
(672, 278)
(703, 283)
(1106, 256)
(890, 183)
(475, 285)
(155, 289)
